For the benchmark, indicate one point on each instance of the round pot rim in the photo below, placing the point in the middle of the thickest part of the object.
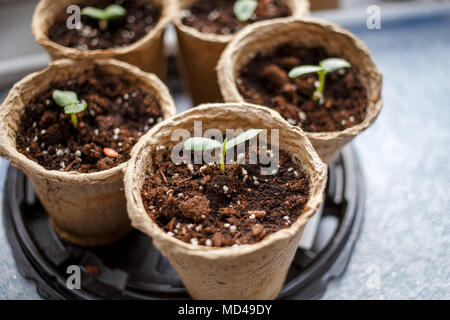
(301, 8)
(42, 38)
(231, 93)
(136, 209)
(11, 153)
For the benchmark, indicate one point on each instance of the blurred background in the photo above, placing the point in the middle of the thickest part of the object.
(403, 249)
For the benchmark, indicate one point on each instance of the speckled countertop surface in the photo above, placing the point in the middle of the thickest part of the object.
(403, 250)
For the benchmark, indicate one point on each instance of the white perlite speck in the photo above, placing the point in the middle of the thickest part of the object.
(290, 169)
(199, 228)
(194, 241)
(78, 153)
(213, 15)
(171, 234)
(59, 153)
(226, 225)
(252, 217)
(190, 167)
(233, 228)
(208, 242)
(286, 217)
(244, 172)
(225, 189)
(116, 131)
(292, 121)
(302, 115)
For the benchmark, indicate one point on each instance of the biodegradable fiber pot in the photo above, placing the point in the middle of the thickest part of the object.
(84, 208)
(251, 271)
(147, 53)
(199, 53)
(264, 37)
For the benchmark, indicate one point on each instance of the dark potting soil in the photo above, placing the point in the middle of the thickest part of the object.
(207, 207)
(140, 18)
(264, 81)
(118, 113)
(217, 16)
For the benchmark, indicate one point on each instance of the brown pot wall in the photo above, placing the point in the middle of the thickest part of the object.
(147, 53)
(199, 53)
(84, 208)
(265, 36)
(252, 271)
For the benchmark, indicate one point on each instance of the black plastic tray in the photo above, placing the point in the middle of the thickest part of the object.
(133, 269)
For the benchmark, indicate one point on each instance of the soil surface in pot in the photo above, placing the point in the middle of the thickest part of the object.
(217, 16)
(264, 80)
(201, 205)
(118, 113)
(140, 18)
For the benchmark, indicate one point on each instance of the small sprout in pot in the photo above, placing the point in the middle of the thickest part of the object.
(111, 12)
(324, 67)
(244, 9)
(69, 101)
(202, 144)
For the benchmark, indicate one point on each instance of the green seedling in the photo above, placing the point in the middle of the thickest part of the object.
(111, 12)
(69, 101)
(324, 67)
(203, 144)
(243, 9)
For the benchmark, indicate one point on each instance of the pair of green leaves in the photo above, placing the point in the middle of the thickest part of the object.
(324, 67)
(243, 9)
(327, 65)
(111, 12)
(203, 144)
(71, 104)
